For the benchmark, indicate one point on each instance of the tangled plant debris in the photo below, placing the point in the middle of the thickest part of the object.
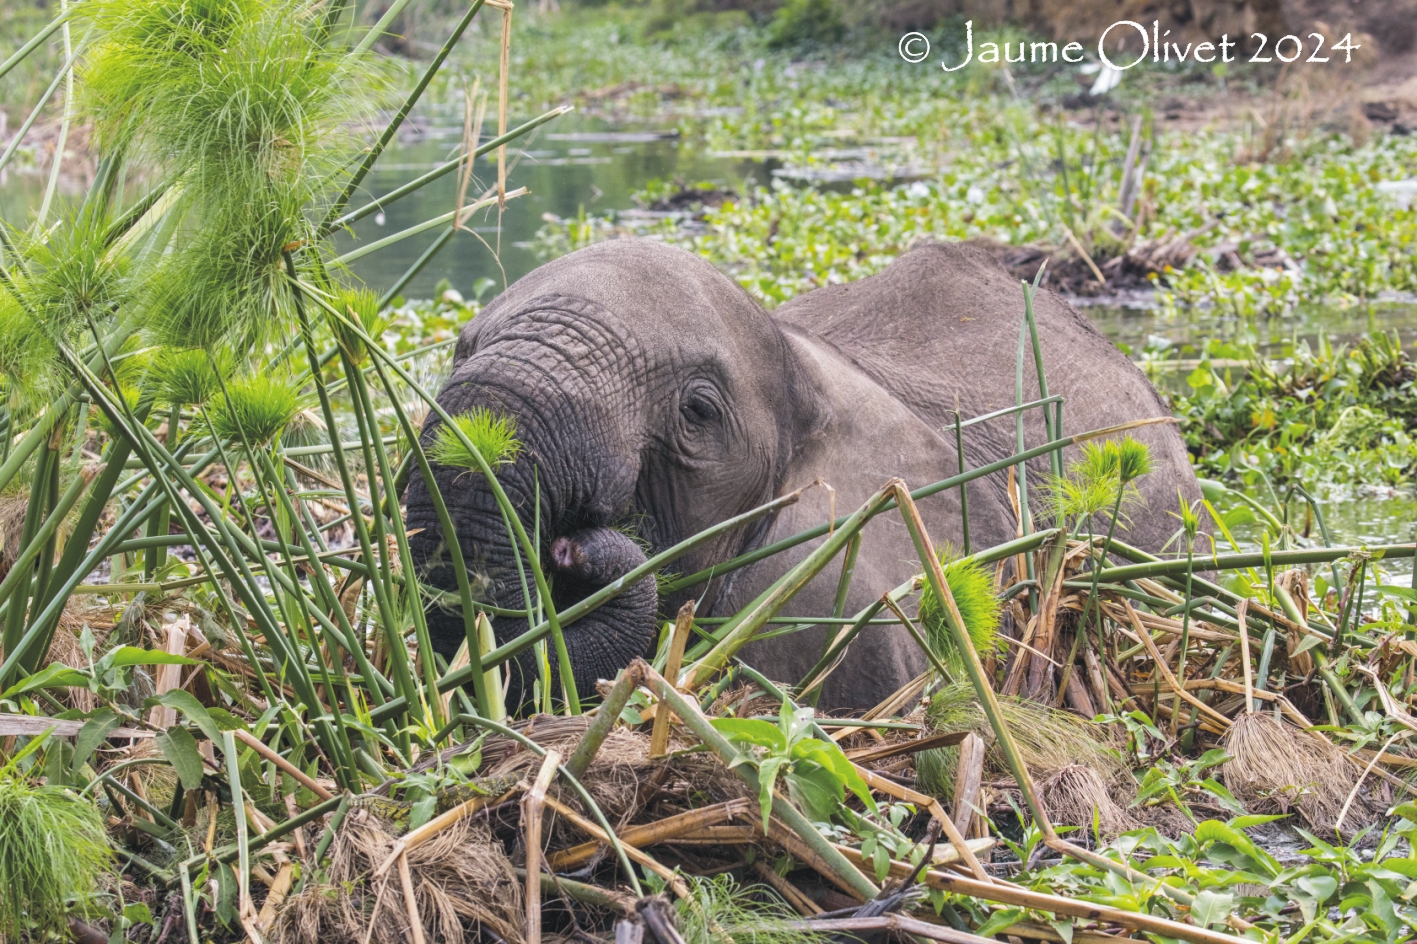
(221, 718)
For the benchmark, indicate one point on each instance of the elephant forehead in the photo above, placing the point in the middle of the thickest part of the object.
(551, 335)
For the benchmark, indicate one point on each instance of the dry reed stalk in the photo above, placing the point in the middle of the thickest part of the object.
(683, 623)
(410, 902)
(504, 69)
(168, 677)
(1241, 610)
(937, 812)
(279, 888)
(532, 803)
(969, 774)
(869, 755)
(298, 775)
(460, 659)
(670, 877)
(1006, 893)
(1165, 671)
(430, 829)
(651, 833)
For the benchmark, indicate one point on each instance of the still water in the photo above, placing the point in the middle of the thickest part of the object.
(581, 164)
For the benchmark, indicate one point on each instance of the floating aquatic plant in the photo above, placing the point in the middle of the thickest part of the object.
(494, 437)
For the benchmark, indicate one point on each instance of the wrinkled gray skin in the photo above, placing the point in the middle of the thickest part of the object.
(654, 396)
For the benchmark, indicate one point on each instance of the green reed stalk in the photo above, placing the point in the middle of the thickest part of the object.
(1310, 555)
(35, 112)
(233, 567)
(740, 632)
(509, 513)
(34, 510)
(1021, 470)
(403, 679)
(444, 169)
(396, 122)
(481, 696)
(374, 443)
(572, 613)
(34, 42)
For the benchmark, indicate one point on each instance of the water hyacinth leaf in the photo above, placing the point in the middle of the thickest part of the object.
(1212, 907)
(751, 731)
(126, 656)
(180, 749)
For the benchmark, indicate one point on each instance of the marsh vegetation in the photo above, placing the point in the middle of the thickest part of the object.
(221, 715)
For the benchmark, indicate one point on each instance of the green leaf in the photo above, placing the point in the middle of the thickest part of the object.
(750, 731)
(186, 704)
(1252, 819)
(1322, 887)
(816, 789)
(51, 676)
(1064, 929)
(1001, 920)
(93, 733)
(180, 749)
(1211, 907)
(125, 656)
(1404, 593)
(1307, 643)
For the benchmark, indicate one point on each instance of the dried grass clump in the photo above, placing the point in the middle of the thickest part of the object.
(1276, 768)
(1078, 796)
(462, 882)
(1049, 740)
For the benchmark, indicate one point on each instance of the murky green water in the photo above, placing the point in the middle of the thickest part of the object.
(577, 163)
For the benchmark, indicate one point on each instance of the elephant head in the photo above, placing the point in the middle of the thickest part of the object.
(653, 399)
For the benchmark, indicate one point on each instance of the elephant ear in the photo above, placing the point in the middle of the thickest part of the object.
(809, 411)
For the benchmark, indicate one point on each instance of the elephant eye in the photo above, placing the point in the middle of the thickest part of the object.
(698, 408)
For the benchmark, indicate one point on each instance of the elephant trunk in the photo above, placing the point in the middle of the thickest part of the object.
(579, 551)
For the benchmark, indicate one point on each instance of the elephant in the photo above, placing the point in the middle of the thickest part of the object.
(655, 398)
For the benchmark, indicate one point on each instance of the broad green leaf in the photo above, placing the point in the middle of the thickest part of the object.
(1322, 887)
(1211, 907)
(180, 749)
(1253, 819)
(1001, 920)
(1307, 643)
(93, 733)
(816, 789)
(125, 656)
(1064, 927)
(194, 711)
(751, 731)
(51, 676)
